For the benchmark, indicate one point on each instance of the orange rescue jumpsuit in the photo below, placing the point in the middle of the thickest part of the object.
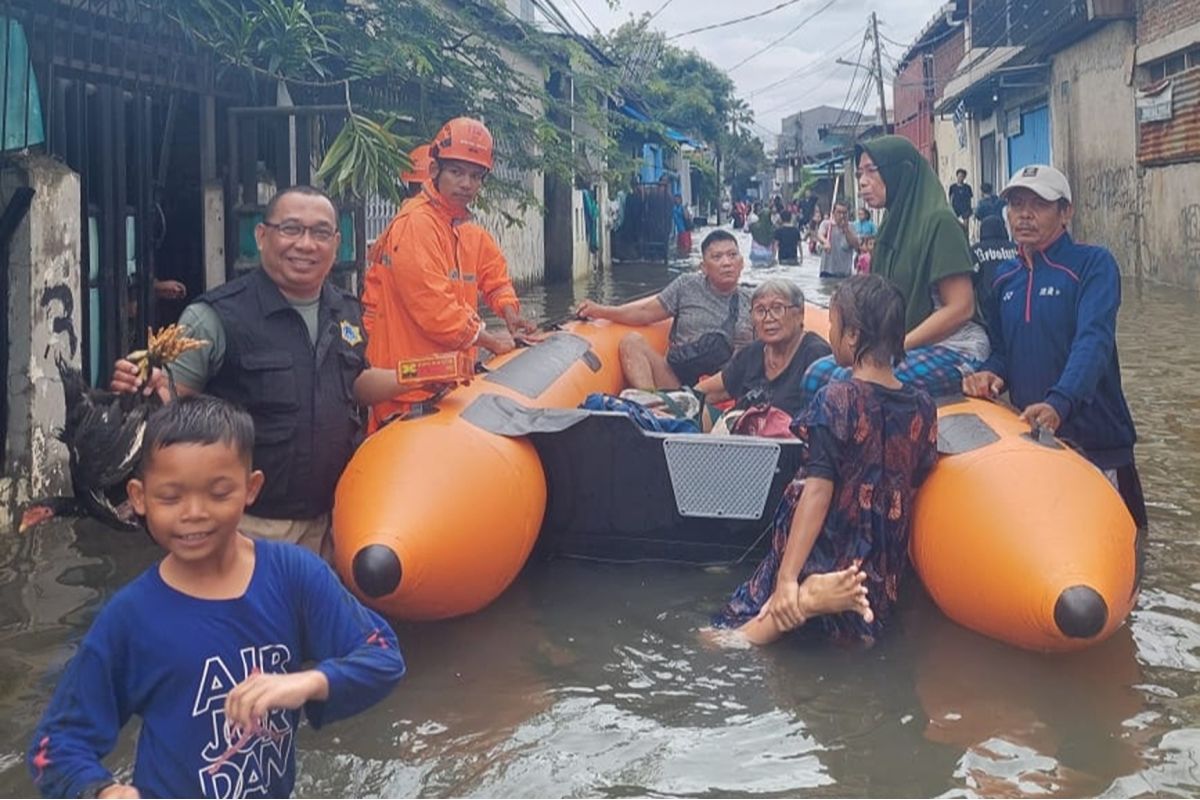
(421, 290)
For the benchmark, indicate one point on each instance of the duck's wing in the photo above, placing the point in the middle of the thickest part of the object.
(107, 508)
(105, 445)
(76, 397)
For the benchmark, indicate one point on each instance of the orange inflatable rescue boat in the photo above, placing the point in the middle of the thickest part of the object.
(1015, 537)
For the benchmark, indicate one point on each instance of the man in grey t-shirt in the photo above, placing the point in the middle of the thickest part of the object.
(699, 303)
(839, 243)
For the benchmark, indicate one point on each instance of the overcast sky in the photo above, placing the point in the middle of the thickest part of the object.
(836, 31)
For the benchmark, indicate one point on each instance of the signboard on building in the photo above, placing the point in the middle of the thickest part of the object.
(1012, 123)
(1155, 103)
(960, 124)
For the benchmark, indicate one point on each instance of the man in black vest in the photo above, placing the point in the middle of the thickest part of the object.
(289, 347)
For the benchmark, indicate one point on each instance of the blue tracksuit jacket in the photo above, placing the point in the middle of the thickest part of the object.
(1053, 330)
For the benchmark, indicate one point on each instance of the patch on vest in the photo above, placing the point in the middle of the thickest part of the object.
(351, 334)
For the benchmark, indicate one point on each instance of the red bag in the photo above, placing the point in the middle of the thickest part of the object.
(765, 421)
(684, 243)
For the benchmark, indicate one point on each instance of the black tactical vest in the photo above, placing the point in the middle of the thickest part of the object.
(306, 422)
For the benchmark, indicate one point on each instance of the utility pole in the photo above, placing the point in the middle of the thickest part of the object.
(879, 74)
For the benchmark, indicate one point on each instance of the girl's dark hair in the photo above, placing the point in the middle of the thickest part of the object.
(198, 420)
(873, 306)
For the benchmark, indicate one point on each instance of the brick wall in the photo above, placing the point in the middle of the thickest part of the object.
(913, 106)
(908, 99)
(1157, 18)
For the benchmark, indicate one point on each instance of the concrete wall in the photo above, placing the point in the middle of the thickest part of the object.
(951, 157)
(1094, 139)
(581, 254)
(214, 235)
(1170, 245)
(603, 259)
(1149, 217)
(44, 321)
(557, 225)
(912, 105)
(523, 243)
(1169, 250)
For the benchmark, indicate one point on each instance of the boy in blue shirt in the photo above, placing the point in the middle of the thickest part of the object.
(207, 646)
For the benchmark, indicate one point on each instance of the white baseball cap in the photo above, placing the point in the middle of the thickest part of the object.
(1041, 179)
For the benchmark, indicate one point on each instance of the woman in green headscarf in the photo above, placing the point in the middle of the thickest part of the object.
(923, 250)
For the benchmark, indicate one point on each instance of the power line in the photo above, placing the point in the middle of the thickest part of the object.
(817, 61)
(795, 99)
(555, 17)
(584, 14)
(659, 11)
(853, 78)
(736, 20)
(801, 24)
(893, 41)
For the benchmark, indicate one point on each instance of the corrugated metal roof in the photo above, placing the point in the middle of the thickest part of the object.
(1176, 139)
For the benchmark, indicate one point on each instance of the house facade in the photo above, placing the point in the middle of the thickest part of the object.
(1108, 91)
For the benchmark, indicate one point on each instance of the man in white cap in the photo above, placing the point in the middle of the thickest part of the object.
(1054, 313)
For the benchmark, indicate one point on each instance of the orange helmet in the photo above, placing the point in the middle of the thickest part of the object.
(419, 171)
(464, 139)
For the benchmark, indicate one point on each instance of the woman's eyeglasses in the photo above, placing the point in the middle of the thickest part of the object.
(776, 310)
(868, 170)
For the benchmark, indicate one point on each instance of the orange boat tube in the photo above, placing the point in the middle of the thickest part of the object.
(1018, 539)
(434, 516)
(1022, 540)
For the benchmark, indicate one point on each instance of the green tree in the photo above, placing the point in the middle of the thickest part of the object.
(403, 67)
(691, 94)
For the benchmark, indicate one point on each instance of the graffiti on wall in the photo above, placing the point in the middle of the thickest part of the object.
(61, 318)
(1189, 231)
(1114, 189)
(1113, 214)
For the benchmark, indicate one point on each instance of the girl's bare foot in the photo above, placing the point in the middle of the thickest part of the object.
(836, 592)
(723, 638)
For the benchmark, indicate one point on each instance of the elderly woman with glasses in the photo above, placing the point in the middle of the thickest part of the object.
(770, 369)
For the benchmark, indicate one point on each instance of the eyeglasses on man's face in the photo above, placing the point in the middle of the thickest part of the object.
(776, 310)
(322, 234)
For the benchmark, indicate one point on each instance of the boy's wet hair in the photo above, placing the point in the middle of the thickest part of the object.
(873, 306)
(719, 235)
(202, 419)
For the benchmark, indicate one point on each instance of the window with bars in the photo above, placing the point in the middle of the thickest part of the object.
(1173, 64)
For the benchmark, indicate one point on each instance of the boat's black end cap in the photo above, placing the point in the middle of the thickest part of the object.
(377, 570)
(1080, 612)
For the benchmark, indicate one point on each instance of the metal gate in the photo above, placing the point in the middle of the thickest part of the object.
(110, 72)
(286, 141)
(103, 132)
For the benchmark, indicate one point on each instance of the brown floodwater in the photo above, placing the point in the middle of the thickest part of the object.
(588, 679)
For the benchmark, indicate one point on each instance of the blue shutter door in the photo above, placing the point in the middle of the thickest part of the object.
(1032, 145)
